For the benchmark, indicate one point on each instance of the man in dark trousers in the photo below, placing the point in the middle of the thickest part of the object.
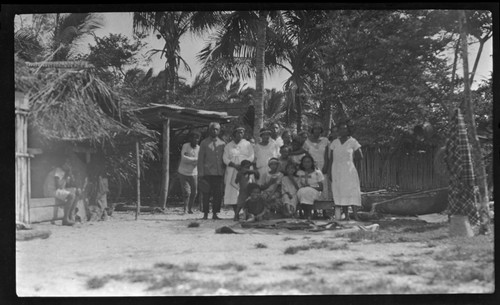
(211, 170)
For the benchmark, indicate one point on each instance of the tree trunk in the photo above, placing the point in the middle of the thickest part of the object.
(259, 77)
(468, 107)
(298, 105)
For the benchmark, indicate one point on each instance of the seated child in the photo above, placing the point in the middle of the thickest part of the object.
(289, 188)
(244, 176)
(271, 186)
(254, 207)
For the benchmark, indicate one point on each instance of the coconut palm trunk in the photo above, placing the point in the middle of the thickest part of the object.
(481, 178)
(259, 77)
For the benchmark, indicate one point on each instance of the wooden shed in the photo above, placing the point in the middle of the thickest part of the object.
(167, 117)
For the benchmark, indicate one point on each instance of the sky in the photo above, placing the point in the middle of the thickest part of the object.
(121, 23)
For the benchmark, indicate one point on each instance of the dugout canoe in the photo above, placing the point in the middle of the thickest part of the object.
(421, 203)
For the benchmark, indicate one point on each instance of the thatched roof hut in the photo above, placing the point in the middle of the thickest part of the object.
(73, 110)
(68, 102)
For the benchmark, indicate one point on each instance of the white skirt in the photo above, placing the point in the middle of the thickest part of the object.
(307, 195)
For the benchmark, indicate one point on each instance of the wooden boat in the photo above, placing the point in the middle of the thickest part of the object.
(421, 203)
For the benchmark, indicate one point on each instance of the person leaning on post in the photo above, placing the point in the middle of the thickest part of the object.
(211, 170)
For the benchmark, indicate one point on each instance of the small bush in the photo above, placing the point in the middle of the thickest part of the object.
(193, 225)
(260, 246)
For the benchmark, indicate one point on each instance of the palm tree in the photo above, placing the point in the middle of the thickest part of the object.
(297, 42)
(171, 26)
(69, 29)
(240, 47)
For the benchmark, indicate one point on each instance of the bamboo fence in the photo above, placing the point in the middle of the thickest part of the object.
(406, 171)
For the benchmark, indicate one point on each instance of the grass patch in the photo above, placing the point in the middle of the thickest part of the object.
(480, 249)
(97, 282)
(295, 249)
(290, 267)
(230, 265)
(456, 273)
(382, 263)
(426, 227)
(191, 267)
(193, 224)
(407, 268)
(164, 266)
(316, 245)
(378, 286)
(260, 246)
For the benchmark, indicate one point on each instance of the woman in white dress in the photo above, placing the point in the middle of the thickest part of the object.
(310, 183)
(264, 151)
(317, 146)
(235, 151)
(345, 179)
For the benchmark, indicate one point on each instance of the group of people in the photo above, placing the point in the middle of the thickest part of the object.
(280, 174)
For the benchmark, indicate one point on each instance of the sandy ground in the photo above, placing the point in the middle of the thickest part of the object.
(159, 255)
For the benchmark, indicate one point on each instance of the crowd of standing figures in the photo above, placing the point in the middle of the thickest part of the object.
(282, 175)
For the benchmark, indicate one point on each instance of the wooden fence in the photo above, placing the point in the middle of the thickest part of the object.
(406, 171)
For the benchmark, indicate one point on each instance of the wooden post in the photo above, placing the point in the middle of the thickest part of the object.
(166, 163)
(22, 159)
(138, 160)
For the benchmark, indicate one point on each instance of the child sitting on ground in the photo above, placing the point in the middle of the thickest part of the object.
(244, 177)
(254, 208)
(271, 186)
(289, 188)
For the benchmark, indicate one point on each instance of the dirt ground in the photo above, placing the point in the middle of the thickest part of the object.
(159, 255)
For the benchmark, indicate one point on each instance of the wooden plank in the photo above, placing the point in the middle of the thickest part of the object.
(165, 163)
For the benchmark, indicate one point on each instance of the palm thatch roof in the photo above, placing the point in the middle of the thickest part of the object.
(68, 102)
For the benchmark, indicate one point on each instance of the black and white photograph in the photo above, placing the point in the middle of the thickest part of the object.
(253, 150)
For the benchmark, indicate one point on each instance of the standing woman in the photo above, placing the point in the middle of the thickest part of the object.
(310, 183)
(188, 170)
(317, 146)
(264, 151)
(345, 179)
(274, 128)
(235, 151)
